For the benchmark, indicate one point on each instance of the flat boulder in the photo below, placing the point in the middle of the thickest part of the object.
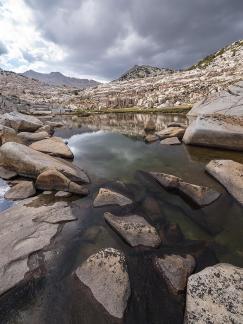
(28, 162)
(175, 270)
(54, 146)
(21, 122)
(28, 138)
(171, 141)
(25, 228)
(200, 195)
(105, 273)
(134, 229)
(215, 295)
(20, 190)
(171, 132)
(107, 197)
(7, 174)
(55, 180)
(230, 174)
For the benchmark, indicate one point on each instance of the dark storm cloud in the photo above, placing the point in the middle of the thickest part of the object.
(3, 49)
(106, 37)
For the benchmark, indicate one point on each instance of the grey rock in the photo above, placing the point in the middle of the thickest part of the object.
(54, 146)
(200, 195)
(63, 194)
(28, 138)
(105, 273)
(170, 141)
(31, 163)
(21, 122)
(21, 190)
(7, 174)
(107, 197)
(215, 295)
(26, 228)
(230, 174)
(134, 229)
(175, 269)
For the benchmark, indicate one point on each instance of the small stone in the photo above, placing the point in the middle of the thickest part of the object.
(134, 229)
(63, 194)
(170, 141)
(105, 273)
(21, 190)
(28, 138)
(107, 197)
(175, 270)
(171, 132)
(7, 174)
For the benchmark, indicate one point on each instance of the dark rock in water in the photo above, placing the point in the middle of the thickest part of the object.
(28, 162)
(200, 195)
(175, 270)
(21, 122)
(24, 229)
(174, 234)
(215, 295)
(107, 197)
(7, 174)
(105, 273)
(21, 190)
(55, 180)
(134, 229)
(230, 175)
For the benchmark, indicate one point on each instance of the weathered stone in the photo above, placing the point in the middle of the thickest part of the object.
(216, 131)
(107, 197)
(28, 138)
(54, 146)
(151, 138)
(105, 273)
(171, 141)
(175, 269)
(150, 125)
(55, 180)
(230, 175)
(134, 229)
(200, 195)
(8, 134)
(55, 124)
(25, 229)
(63, 194)
(171, 132)
(46, 128)
(21, 122)
(7, 174)
(215, 295)
(21, 190)
(28, 162)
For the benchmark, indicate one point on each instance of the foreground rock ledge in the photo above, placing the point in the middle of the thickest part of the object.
(215, 295)
(107, 197)
(30, 163)
(105, 273)
(200, 195)
(175, 269)
(230, 175)
(21, 122)
(24, 229)
(134, 229)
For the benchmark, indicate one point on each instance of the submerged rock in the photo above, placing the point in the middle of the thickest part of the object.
(54, 146)
(134, 229)
(24, 229)
(63, 194)
(171, 132)
(200, 195)
(107, 197)
(7, 174)
(21, 190)
(215, 295)
(21, 122)
(230, 175)
(171, 141)
(105, 273)
(55, 180)
(175, 269)
(28, 138)
(31, 163)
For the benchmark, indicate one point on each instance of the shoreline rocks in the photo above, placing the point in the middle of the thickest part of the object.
(171, 132)
(20, 190)
(200, 195)
(134, 229)
(107, 197)
(105, 273)
(21, 122)
(171, 141)
(215, 295)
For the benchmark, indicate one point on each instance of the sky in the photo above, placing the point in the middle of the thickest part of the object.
(101, 39)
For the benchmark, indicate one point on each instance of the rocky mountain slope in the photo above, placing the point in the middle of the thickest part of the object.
(58, 79)
(211, 75)
(143, 71)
